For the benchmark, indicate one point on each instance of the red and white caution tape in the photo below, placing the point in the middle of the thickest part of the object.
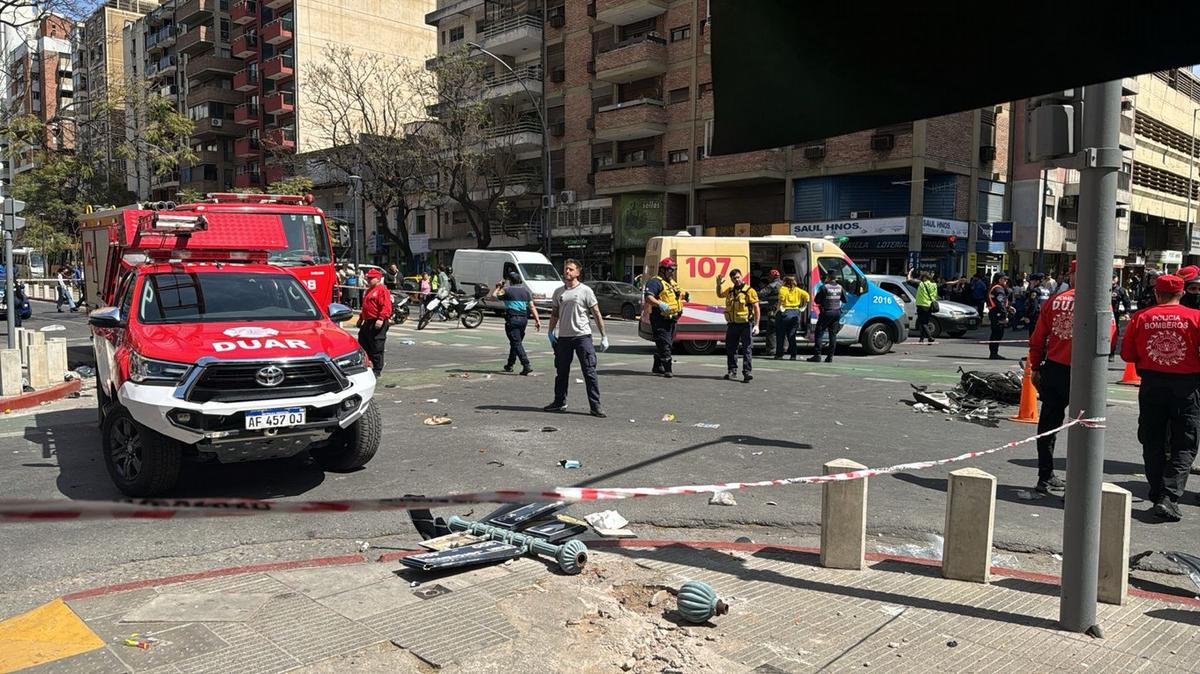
(14, 510)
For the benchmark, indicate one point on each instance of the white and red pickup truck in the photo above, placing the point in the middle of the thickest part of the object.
(210, 353)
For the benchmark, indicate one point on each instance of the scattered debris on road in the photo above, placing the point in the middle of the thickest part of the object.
(610, 524)
(570, 464)
(431, 400)
(704, 425)
(722, 498)
(438, 421)
(54, 328)
(136, 640)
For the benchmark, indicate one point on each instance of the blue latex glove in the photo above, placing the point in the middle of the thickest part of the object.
(604, 342)
(553, 338)
(664, 307)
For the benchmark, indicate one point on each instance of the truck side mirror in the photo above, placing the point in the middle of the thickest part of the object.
(340, 313)
(107, 317)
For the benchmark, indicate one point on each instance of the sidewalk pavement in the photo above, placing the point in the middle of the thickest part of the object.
(787, 614)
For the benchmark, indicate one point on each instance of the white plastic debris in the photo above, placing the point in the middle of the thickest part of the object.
(606, 519)
(704, 425)
(922, 407)
(431, 400)
(54, 328)
(722, 498)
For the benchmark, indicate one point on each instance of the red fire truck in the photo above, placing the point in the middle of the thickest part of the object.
(206, 350)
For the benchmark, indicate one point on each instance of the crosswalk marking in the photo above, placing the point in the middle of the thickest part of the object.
(913, 360)
(884, 379)
(418, 387)
(821, 374)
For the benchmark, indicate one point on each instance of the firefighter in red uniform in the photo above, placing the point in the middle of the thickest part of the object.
(373, 319)
(1050, 360)
(1163, 343)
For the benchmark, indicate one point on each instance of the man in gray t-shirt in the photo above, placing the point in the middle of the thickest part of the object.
(571, 336)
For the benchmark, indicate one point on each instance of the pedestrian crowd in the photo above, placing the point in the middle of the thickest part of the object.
(1162, 343)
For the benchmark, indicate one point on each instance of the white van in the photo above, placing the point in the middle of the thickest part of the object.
(478, 271)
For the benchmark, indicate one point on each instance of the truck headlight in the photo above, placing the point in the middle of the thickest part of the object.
(144, 370)
(354, 362)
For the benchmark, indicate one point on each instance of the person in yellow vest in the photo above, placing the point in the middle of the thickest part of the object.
(793, 300)
(741, 317)
(664, 302)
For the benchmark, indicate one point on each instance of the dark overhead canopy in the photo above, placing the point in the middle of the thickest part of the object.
(793, 71)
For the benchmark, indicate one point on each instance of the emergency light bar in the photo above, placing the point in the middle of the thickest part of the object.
(236, 197)
(182, 255)
(170, 222)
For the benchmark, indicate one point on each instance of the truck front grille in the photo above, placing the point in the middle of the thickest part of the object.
(237, 382)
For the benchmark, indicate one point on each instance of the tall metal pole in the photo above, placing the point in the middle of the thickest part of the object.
(1043, 187)
(1191, 171)
(1089, 354)
(9, 272)
(355, 201)
(547, 183)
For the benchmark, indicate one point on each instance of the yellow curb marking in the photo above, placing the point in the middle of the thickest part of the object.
(47, 633)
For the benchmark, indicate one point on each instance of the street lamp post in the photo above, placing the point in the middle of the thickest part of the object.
(548, 199)
(355, 201)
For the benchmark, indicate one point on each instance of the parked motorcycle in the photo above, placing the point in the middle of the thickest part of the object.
(453, 307)
(24, 310)
(400, 308)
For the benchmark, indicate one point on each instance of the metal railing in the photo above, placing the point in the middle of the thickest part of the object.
(503, 25)
(652, 38)
(523, 126)
(525, 73)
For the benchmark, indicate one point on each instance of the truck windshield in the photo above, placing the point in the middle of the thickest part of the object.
(180, 297)
(308, 241)
(539, 271)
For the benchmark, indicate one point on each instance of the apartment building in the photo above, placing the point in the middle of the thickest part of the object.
(627, 91)
(99, 72)
(277, 42)
(39, 83)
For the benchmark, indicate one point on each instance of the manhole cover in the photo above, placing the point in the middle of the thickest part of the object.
(431, 591)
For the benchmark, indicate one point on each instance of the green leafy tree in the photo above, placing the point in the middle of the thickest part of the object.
(188, 196)
(296, 185)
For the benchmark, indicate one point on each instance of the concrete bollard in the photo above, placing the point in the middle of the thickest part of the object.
(23, 344)
(39, 367)
(56, 351)
(10, 372)
(970, 515)
(843, 518)
(1113, 582)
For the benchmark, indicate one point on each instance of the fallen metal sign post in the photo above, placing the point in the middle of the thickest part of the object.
(571, 556)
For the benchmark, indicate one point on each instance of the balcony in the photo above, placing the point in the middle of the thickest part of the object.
(279, 103)
(512, 84)
(244, 12)
(166, 65)
(284, 139)
(195, 41)
(518, 137)
(247, 179)
(170, 179)
(245, 45)
(278, 68)
(161, 39)
(246, 113)
(1126, 141)
(277, 32)
(625, 12)
(210, 157)
(633, 176)
(277, 4)
(515, 184)
(246, 80)
(246, 148)
(211, 63)
(743, 168)
(216, 126)
(213, 94)
(641, 118)
(633, 59)
(513, 36)
(194, 10)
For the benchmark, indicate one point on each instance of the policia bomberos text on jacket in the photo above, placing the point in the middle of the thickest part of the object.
(1163, 343)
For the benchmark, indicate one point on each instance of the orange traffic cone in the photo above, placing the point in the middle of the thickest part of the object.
(1131, 377)
(1027, 413)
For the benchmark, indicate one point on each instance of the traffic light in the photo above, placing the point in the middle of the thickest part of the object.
(952, 239)
(11, 208)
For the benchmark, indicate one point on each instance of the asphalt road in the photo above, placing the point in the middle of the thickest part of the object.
(791, 419)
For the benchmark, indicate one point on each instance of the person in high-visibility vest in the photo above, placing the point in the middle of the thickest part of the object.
(664, 302)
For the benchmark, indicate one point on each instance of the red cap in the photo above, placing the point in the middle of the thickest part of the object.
(374, 273)
(666, 262)
(1168, 284)
(1073, 266)
(1188, 273)
(773, 274)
